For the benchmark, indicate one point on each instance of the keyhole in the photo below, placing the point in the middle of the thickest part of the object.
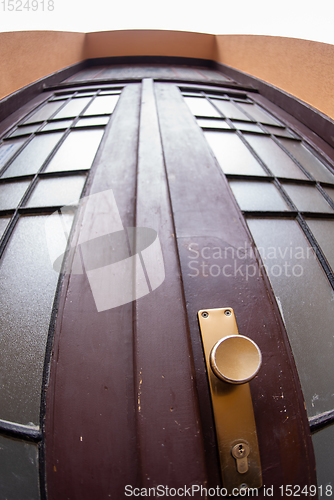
(241, 449)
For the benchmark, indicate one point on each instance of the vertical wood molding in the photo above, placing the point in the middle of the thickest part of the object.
(90, 434)
(169, 433)
(206, 215)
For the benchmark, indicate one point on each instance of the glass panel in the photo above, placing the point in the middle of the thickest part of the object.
(278, 131)
(247, 126)
(96, 120)
(274, 157)
(30, 160)
(258, 114)
(3, 224)
(206, 122)
(27, 287)
(11, 194)
(308, 160)
(192, 94)
(324, 457)
(57, 125)
(330, 192)
(229, 109)
(73, 107)
(8, 149)
(62, 96)
(45, 112)
(232, 155)
(305, 298)
(217, 96)
(19, 476)
(323, 231)
(77, 151)
(103, 105)
(307, 198)
(199, 106)
(258, 196)
(110, 92)
(57, 191)
(85, 94)
(26, 129)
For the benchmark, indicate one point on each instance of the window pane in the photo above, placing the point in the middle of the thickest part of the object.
(45, 112)
(57, 191)
(192, 94)
(206, 122)
(77, 152)
(324, 456)
(19, 471)
(28, 129)
(3, 224)
(57, 125)
(61, 98)
(86, 94)
(247, 126)
(110, 92)
(308, 160)
(323, 231)
(30, 160)
(8, 149)
(11, 194)
(103, 105)
(217, 96)
(258, 114)
(274, 157)
(199, 106)
(73, 107)
(27, 287)
(307, 309)
(258, 196)
(307, 198)
(278, 131)
(96, 120)
(62, 95)
(330, 192)
(232, 155)
(229, 109)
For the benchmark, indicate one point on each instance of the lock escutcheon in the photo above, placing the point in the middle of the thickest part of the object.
(231, 361)
(240, 452)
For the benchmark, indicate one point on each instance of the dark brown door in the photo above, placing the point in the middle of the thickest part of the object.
(128, 405)
(196, 193)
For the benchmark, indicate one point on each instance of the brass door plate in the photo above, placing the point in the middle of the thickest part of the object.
(232, 409)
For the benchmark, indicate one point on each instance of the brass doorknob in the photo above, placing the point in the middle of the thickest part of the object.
(235, 359)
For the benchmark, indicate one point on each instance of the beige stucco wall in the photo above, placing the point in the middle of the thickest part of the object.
(300, 67)
(150, 42)
(27, 56)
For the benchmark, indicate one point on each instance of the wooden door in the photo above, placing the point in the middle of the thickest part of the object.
(128, 405)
